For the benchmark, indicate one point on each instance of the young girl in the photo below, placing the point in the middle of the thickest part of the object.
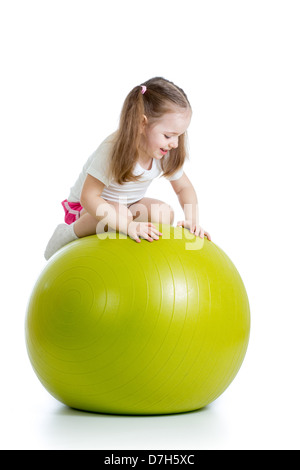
(109, 192)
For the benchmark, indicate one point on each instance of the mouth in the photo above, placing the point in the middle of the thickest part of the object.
(163, 151)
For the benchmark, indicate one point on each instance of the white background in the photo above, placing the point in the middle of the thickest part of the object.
(66, 68)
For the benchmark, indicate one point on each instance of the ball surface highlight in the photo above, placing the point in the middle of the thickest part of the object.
(113, 326)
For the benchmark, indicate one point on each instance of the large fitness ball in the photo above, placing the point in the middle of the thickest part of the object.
(114, 326)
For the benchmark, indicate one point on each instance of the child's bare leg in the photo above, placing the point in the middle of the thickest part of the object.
(86, 225)
(152, 210)
(146, 210)
(89, 225)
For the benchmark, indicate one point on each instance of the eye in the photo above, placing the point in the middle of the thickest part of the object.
(167, 137)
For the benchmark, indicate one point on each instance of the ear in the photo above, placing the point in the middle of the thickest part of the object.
(143, 123)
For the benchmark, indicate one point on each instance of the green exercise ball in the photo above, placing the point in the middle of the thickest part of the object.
(114, 326)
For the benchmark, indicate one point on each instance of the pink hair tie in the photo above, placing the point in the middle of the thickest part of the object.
(144, 89)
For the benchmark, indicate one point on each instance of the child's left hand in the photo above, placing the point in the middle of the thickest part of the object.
(194, 228)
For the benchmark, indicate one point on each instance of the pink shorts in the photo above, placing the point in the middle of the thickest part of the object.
(72, 211)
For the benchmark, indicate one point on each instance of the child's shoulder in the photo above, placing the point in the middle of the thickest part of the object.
(104, 148)
(111, 138)
(109, 141)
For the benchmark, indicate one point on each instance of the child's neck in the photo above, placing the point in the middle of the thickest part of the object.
(145, 161)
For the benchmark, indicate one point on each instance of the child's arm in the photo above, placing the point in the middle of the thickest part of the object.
(188, 200)
(119, 220)
(96, 206)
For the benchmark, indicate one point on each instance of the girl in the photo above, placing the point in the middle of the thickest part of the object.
(109, 192)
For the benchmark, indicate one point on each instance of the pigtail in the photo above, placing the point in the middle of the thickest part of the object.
(125, 152)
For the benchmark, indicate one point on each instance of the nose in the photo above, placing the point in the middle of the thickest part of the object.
(174, 143)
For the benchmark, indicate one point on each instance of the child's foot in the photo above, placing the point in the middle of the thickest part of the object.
(62, 235)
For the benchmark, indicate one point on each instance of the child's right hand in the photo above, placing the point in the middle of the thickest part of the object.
(145, 230)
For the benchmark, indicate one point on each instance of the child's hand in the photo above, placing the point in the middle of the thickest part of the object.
(144, 230)
(194, 228)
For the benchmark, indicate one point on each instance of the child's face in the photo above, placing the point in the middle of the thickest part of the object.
(163, 135)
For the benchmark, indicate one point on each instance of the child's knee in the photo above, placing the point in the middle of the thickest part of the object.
(162, 213)
(139, 212)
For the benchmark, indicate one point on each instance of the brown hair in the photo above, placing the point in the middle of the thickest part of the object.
(162, 96)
